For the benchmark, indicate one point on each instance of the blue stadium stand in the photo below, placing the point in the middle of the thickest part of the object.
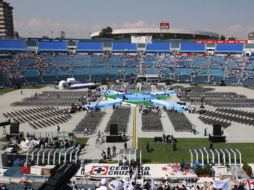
(12, 45)
(229, 48)
(124, 46)
(89, 46)
(190, 47)
(158, 47)
(52, 46)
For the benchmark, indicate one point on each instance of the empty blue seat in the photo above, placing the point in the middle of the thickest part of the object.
(158, 47)
(192, 47)
(124, 46)
(12, 45)
(89, 46)
(229, 48)
(52, 46)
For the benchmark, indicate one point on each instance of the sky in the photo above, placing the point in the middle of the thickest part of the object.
(79, 18)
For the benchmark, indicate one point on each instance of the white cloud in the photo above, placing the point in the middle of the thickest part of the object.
(237, 30)
(37, 28)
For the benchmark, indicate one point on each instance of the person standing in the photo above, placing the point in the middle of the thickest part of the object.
(114, 150)
(109, 152)
(58, 128)
(4, 130)
(125, 146)
(147, 147)
(85, 132)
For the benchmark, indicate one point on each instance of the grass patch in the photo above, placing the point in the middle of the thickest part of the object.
(146, 103)
(82, 141)
(163, 153)
(6, 90)
(37, 86)
(3, 139)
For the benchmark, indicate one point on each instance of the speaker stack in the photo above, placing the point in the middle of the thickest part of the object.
(217, 134)
(114, 135)
(113, 129)
(14, 131)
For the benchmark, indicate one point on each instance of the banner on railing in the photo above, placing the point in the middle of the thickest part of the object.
(141, 39)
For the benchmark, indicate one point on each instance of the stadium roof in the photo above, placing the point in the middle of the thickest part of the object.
(145, 31)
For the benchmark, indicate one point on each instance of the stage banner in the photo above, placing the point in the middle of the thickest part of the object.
(141, 39)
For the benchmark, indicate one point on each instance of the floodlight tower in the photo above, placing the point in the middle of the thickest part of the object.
(226, 68)
(209, 69)
(242, 68)
(141, 60)
(192, 70)
(90, 68)
(106, 63)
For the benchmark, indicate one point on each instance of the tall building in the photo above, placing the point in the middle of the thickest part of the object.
(251, 36)
(6, 20)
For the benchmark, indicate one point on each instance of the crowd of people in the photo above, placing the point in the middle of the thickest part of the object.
(108, 154)
(16, 144)
(150, 109)
(14, 65)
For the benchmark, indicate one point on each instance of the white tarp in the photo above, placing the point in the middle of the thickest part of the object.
(222, 184)
(141, 39)
(169, 106)
(103, 104)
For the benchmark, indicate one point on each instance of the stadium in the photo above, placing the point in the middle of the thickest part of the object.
(143, 109)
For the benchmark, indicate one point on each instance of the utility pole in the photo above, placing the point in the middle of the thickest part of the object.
(209, 69)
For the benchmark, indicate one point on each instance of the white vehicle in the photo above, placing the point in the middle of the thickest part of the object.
(71, 83)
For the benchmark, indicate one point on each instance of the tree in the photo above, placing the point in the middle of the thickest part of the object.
(106, 32)
(222, 37)
(232, 38)
(16, 34)
(45, 37)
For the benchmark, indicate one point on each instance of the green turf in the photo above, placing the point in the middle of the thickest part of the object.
(163, 153)
(82, 141)
(162, 97)
(111, 96)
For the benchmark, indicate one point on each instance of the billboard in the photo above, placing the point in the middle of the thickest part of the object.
(141, 39)
(221, 41)
(164, 25)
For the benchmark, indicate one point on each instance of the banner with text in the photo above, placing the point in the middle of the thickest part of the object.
(164, 25)
(147, 170)
(221, 41)
(141, 39)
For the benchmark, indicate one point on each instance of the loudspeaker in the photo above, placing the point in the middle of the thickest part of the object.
(14, 128)
(157, 139)
(113, 129)
(115, 138)
(217, 130)
(216, 139)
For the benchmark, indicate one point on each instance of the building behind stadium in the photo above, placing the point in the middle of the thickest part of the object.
(6, 20)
